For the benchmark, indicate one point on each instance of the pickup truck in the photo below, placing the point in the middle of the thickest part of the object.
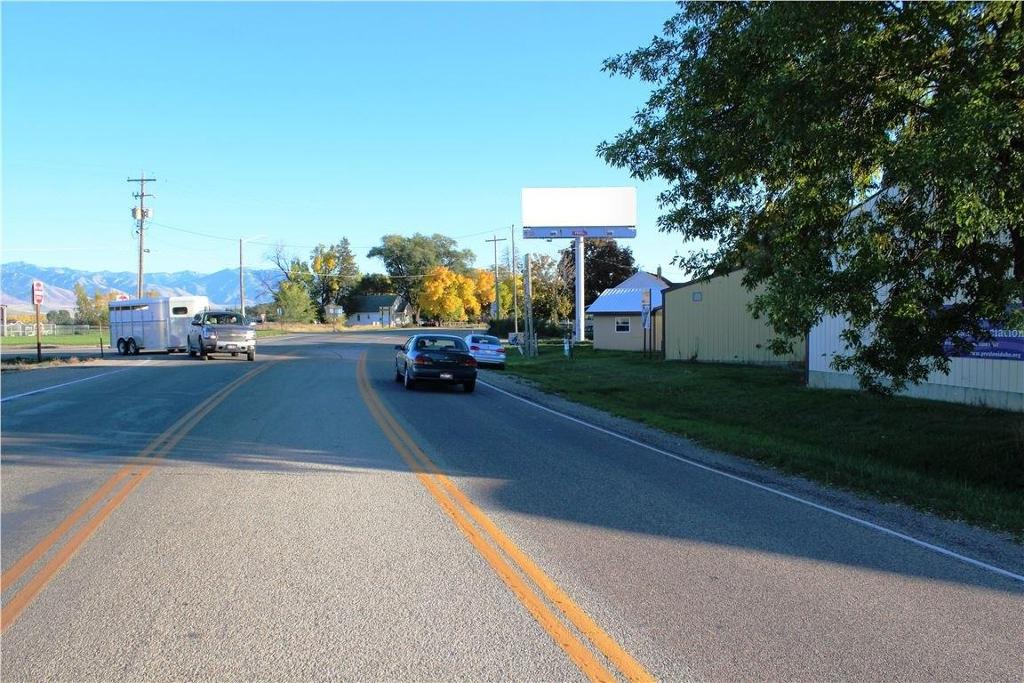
(221, 332)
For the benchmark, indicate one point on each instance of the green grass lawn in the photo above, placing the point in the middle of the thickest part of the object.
(90, 339)
(961, 462)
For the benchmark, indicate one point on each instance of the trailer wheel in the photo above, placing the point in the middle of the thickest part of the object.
(122, 347)
(251, 355)
(133, 348)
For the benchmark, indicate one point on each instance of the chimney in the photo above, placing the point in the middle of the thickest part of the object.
(659, 273)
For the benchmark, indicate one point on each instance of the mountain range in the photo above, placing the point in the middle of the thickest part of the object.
(59, 285)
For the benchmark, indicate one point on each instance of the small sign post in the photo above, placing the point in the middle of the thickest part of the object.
(37, 298)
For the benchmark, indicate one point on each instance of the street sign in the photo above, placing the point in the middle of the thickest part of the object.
(37, 292)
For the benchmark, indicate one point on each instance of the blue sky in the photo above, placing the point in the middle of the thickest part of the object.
(306, 123)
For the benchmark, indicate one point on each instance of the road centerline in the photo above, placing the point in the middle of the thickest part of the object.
(454, 502)
(155, 450)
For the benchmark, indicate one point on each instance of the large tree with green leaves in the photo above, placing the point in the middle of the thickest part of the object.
(770, 121)
(409, 259)
(605, 265)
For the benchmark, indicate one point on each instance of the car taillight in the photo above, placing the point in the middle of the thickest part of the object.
(423, 360)
(468, 361)
(474, 348)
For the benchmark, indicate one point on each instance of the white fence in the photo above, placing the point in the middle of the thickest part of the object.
(48, 329)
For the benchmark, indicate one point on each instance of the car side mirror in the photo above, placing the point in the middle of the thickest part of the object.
(197, 322)
(399, 347)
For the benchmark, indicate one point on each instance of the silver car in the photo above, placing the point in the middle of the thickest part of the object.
(487, 349)
(222, 332)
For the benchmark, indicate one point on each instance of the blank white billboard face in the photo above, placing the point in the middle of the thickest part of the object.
(579, 207)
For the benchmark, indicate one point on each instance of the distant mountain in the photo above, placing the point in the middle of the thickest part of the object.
(59, 285)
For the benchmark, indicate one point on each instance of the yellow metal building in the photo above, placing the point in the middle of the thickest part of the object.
(708, 320)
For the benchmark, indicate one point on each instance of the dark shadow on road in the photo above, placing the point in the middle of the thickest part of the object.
(517, 459)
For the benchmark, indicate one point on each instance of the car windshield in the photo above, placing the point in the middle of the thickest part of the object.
(225, 319)
(440, 344)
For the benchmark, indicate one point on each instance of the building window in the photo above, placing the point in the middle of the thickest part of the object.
(697, 297)
(622, 324)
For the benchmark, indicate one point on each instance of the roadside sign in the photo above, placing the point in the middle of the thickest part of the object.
(37, 292)
(645, 316)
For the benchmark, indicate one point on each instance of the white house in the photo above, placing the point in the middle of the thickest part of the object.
(386, 310)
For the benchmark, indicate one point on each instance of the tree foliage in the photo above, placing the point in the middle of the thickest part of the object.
(409, 259)
(333, 274)
(92, 310)
(292, 298)
(483, 280)
(552, 295)
(605, 264)
(60, 317)
(327, 278)
(448, 296)
(771, 120)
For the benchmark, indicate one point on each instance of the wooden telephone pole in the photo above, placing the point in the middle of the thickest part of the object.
(141, 213)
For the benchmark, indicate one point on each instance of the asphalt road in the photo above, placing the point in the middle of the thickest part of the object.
(304, 517)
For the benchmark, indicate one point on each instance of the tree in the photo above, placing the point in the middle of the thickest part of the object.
(60, 317)
(87, 312)
(552, 294)
(483, 281)
(605, 264)
(368, 285)
(771, 120)
(409, 259)
(333, 274)
(448, 296)
(293, 300)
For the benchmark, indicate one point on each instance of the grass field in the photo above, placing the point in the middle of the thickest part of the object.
(92, 339)
(958, 461)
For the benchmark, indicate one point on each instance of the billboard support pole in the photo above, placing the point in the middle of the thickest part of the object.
(581, 334)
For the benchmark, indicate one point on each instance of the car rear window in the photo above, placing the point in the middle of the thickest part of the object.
(486, 340)
(441, 344)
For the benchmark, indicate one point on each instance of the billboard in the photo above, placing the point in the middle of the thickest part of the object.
(1006, 344)
(560, 212)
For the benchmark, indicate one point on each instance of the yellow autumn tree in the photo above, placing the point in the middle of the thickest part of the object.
(484, 280)
(448, 295)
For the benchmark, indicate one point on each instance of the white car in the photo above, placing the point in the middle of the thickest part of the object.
(487, 349)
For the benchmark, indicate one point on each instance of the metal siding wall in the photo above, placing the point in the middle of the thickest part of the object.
(719, 328)
(989, 381)
(606, 338)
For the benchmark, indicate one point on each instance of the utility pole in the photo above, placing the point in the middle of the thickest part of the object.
(241, 276)
(141, 213)
(495, 309)
(531, 349)
(515, 266)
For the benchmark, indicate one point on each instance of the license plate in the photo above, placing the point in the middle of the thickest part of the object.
(232, 346)
(446, 375)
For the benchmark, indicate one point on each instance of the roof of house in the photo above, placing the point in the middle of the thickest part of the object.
(627, 296)
(375, 302)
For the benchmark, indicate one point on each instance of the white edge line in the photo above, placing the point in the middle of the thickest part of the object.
(65, 384)
(824, 508)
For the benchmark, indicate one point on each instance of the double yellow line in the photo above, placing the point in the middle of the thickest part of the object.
(522, 576)
(130, 476)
